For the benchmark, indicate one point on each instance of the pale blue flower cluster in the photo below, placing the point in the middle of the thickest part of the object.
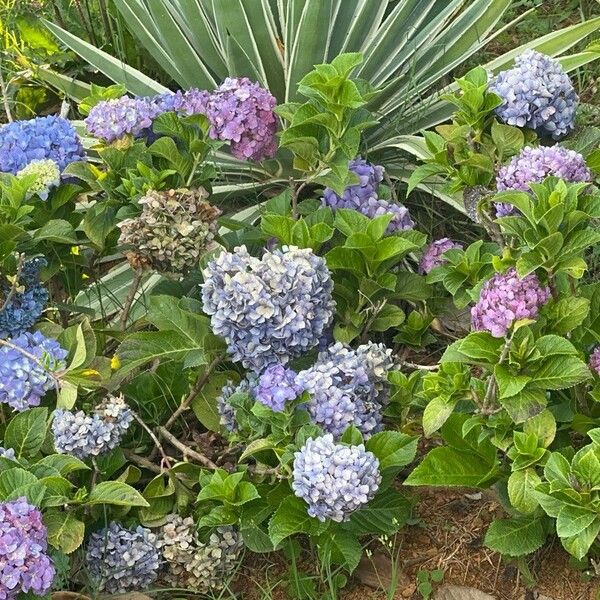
(121, 560)
(84, 435)
(276, 387)
(22, 142)
(348, 387)
(24, 381)
(268, 310)
(538, 94)
(7, 453)
(334, 480)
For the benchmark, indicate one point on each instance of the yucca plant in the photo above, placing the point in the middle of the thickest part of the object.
(410, 47)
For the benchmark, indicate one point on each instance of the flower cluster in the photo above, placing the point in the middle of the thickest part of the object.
(347, 387)
(22, 142)
(7, 453)
(271, 309)
(433, 256)
(538, 94)
(22, 306)
(241, 112)
(363, 197)
(47, 176)
(24, 564)
(172, 231)
(333, 479)
(190, 102)
(194, 565)
(504, 299)
(84, 435)
(533, 165)
(121, 560)
(277, 386)
(224, 408)
(24, 381)
(595, 360)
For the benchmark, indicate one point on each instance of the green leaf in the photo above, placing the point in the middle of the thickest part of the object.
(436, 413)
(65, 532)
(525, 404)
(521, 490)
(58, 231)
(561, 372)
(290, 518)
(26, 432)
(580, 544)
(63, 463)
(340, 547)
(516, 537)
(572, 520)
(385, 514)
(389, 316)
(116, 493)
(393, 449)
(17, 482)
(567, 314)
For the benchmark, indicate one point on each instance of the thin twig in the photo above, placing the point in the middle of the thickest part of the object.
(142, 462)
(390, 183)
(15, 284)
(411, 365)
(200, 458)
(166, 458)
(135, 285)
(492, 386)
(4, 90)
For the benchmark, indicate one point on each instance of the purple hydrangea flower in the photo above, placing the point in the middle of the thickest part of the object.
(241, 112)
(111, 120)
(25, 305)
(54, 138)
(271, 309)
(434, 254)
(23, 381)
(595, 360)
(84, 435)
(190, 102)
(277, 386)
(121, 560)
(538, 94)
(364, 198)
(348, 387)
(504, 299)
(334, 480)
(24, 564)
(533, 165)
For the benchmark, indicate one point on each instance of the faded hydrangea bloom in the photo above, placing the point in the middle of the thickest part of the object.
(25, 303)
(364, 197)
(538, 94)
(533, 165)
(271, 309)
(84, 435)
(22, 142)
(276, 387)
(433, 256)
(347, 387)
(506, 298)
(595, 360)
(24, 564)
(23, 381)
(334, 479)
(47, 176)
(121, 560)
(172, 231)
(203, 567)
(241, 112)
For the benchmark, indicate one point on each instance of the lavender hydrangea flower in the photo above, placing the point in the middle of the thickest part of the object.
(533, 165)
(434, 254)
(110, 120)
(47, 176)
(538, 94)
(595, 360)
(25, 303)
(7, 453)
(120, 560)
(189, 102)
(224, 408)
(277, 386)
(348, 387)
(363, 197)
(23, 381)
(24, 563)
(506, 298)
(84, 435)
(54, 138)
(271, 309)
(241, 112)
(333, 479)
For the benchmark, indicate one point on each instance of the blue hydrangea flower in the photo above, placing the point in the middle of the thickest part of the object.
(225, 409)
(26, 304)
(22, 142)
(276, 387)
(538, 94)
(121, 560)
(7, 453)
(334, 480)
(348, 387)
(24, 563)
(23, 381)
(364, 197)
(271, 309)
(84, 435)
(189, 102)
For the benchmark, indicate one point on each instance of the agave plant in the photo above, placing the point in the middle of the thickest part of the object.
(410, 47)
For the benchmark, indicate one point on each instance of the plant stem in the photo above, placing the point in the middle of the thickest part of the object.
(13, 288)
(411, 365)
(200, 458)
(135, 284)
(492, 385)
(166, 458)
(4, 90)
(197, 159)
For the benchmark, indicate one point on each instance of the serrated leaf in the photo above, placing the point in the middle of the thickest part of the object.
(516, 537)
(65, 532)
(116, 493)
(26, 432)
(290, 518)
